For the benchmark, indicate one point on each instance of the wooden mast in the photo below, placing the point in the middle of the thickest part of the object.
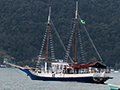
(46, 54)
(76, 12)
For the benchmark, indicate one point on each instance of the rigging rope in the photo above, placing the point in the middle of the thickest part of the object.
(91, 40)
(69, 43)
(41, 50)
(51, 46)
(81, 47)
(60, 40)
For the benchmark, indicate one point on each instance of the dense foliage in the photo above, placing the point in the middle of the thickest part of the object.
(22, 27)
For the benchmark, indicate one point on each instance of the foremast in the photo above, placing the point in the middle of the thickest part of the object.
(76, 13)
(46, 53)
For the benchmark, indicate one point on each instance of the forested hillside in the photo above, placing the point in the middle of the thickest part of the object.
(23, 24)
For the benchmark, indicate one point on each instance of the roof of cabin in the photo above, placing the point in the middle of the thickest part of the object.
(90, 64)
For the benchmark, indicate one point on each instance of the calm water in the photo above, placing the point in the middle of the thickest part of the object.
(14, 79)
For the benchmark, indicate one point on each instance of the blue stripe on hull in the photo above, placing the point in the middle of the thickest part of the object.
(83, 79)
(78, 79)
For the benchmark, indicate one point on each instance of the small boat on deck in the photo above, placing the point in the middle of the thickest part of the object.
(89, 72)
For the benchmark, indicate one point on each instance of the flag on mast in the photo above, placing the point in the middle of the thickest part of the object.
(82, 21)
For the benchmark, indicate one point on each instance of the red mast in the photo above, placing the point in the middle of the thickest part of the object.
(75, 32)
(48, 24)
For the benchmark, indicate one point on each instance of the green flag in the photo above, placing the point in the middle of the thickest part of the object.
(83, 22)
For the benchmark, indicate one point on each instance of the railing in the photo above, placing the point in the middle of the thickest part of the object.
(86, 70)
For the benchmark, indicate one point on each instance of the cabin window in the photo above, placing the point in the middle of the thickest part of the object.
(53, 65)
(60, 67)
(57, 66)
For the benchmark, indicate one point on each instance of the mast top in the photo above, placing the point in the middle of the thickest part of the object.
(76, 12)
(49, 15)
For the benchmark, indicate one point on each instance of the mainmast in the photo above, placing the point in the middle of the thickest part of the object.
(46, 54)
(76, 13)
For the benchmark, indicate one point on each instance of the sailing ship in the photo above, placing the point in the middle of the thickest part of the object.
(91, 72)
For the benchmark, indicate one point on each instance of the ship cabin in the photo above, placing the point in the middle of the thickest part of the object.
(79, 68)
(91, 67)
(59, 67)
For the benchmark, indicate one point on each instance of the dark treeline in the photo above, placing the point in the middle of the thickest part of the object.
(23, 24)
